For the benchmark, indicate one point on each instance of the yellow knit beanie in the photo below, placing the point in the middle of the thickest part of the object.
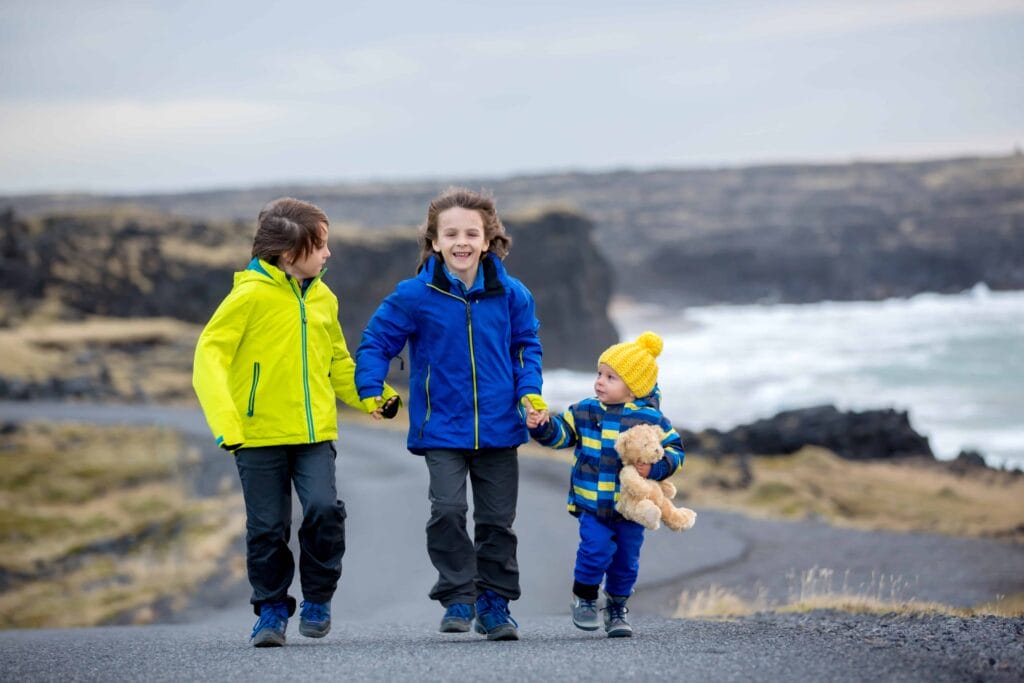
(634, 362)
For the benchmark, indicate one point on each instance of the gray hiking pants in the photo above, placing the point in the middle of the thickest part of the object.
(466, 568)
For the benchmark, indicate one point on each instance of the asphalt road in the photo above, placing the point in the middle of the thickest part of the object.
(385, 627)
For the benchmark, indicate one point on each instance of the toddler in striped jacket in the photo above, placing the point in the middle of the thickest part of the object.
(626, 395)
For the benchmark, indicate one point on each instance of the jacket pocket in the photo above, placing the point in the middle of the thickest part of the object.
(426, 391)
(252, 391)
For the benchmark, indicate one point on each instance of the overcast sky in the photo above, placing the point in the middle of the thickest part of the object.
(118, 96)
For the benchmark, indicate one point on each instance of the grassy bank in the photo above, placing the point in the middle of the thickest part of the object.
(913, 495)
(102, 525)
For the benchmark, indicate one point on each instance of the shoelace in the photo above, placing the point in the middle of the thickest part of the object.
(314, 611)
(460, 610)
(616, 610)
(499, 606)
(269, 617)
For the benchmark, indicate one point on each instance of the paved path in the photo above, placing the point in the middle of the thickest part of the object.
(383, 619)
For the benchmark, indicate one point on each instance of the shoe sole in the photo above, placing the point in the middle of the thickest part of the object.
(585, 627)
(314, 632)
(620, 633)
(503, 632)
(268, 639)
(459, 626)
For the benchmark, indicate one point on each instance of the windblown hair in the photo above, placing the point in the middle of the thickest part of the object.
(288, 225)
(494, 231)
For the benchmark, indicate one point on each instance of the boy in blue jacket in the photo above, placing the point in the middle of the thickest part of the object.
(626, 395)
(474, 355)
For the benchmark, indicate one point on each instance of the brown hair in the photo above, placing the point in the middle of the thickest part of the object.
(288, 225)
(494, 231)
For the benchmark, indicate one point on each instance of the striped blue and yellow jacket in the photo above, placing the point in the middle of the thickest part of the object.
(592, 427)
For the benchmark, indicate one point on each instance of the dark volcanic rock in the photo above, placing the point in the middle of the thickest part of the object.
(132, 267)
(867, 435)
(794, 233)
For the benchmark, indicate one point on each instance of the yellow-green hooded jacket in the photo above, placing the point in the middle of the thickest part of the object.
(271, 360)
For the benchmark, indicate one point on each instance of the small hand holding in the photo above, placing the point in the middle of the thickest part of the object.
(384, 410)
(643, 469)
(534, 417)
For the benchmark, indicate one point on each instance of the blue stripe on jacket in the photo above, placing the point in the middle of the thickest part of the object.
(592, 428)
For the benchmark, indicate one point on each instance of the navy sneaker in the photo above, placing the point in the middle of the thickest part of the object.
(315, 619)
(457, 618)
(493, 619)
(615, 624)
(270, 627)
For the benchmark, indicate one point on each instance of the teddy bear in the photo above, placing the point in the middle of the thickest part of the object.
(642, 500)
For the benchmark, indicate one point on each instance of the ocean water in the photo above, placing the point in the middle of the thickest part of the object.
(954, 362)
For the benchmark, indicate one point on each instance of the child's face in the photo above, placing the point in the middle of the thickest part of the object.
(311, 264)
(609, 387)
(460, 241)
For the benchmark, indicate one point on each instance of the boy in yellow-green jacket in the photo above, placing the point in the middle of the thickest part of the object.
(268, 366)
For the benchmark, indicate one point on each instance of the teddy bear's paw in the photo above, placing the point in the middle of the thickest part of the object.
(649, 514)
(668, 488)
(685, 520)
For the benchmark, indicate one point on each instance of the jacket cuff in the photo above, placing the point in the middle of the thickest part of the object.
(660, 470)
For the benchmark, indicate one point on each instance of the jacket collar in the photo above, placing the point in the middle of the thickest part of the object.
(433, 273)
(258, 267)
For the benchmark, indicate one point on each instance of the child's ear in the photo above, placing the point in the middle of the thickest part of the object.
(434, 244)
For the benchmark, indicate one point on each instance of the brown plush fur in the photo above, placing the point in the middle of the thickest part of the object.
(642, 500)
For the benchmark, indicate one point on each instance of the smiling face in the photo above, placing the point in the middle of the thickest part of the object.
(461, 242)
(609, 387)
(310, 265)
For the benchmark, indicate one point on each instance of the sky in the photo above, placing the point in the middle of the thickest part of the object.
(130, 97)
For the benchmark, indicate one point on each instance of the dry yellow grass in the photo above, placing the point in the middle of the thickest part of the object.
(821, 588)
(102, 525)
(130, 357)
(898, 496)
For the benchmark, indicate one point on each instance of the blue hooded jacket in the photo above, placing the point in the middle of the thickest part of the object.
(472, 356)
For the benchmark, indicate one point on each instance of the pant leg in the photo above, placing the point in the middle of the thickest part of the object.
(494, 473)
(625, 564)
(266, 487)
(594, 555)
(322, 534)
(448, 544)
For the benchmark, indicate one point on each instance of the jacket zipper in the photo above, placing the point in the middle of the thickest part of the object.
(252, 392)
(472, 363)
(301, 296)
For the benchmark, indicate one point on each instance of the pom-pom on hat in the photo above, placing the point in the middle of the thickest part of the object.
(634, 362)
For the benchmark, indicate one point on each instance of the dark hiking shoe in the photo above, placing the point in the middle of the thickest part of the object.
(493, 619)
(270, 627)
(457, 618)
(584, 613)
(615, 624)
(315, 619)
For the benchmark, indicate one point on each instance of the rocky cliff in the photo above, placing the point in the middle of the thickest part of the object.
(791, 233)
(154, 266)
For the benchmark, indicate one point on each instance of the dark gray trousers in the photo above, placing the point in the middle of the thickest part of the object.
(267, 475)
(466, 568)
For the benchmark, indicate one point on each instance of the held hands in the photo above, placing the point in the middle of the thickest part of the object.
(536, 410)
(643, 469)
(385, 409)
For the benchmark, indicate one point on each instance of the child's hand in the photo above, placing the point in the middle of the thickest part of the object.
(385, 409)
(643, 469)
(534, 417)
